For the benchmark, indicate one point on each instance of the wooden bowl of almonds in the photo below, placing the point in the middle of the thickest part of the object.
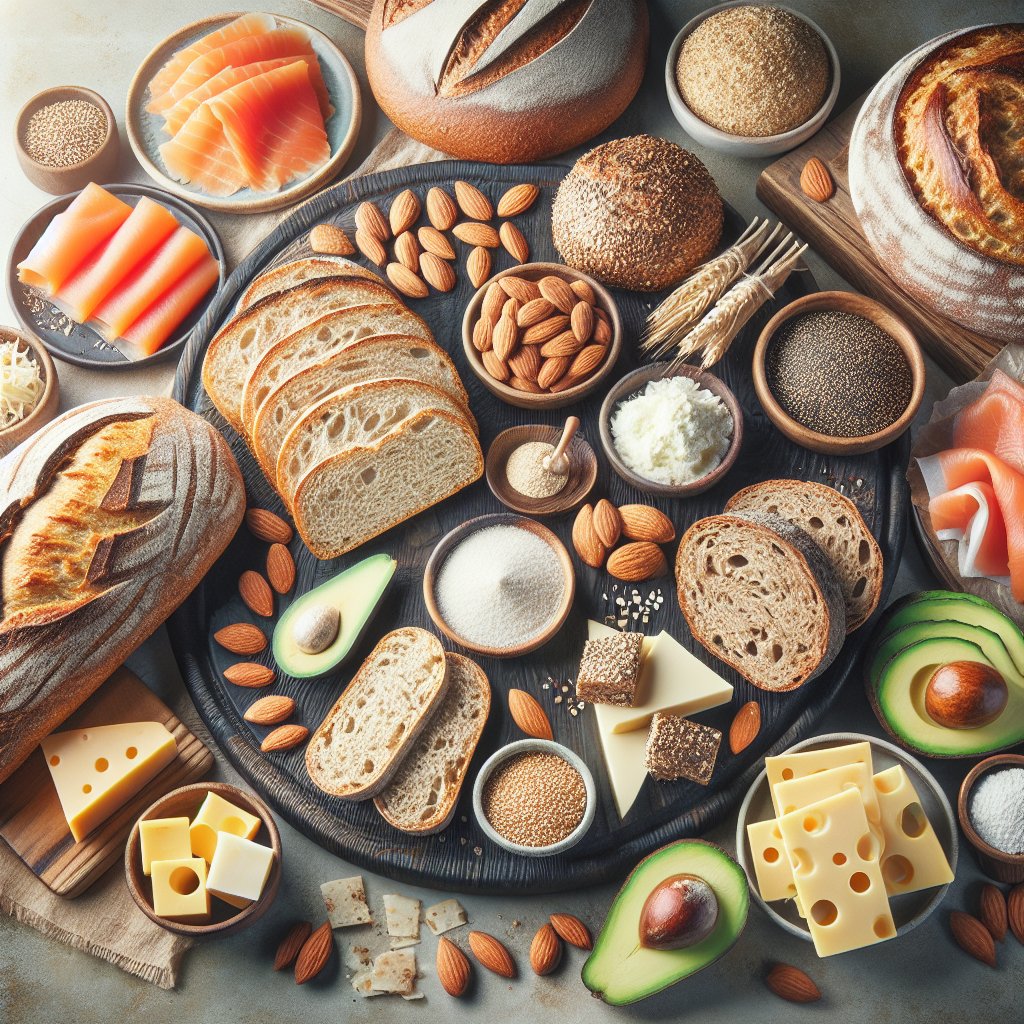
(541, 335)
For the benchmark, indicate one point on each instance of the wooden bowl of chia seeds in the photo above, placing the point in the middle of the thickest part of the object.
(839, 373)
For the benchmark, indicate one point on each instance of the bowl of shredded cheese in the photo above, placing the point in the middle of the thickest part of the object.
(29, 393)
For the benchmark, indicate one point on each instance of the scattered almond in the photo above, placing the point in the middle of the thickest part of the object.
(241, 638)
(642, 522)
(581, 319)
(745, 726)
(452, 967)
(434, 241)
(505, 337)
(407, 251)
(255, 592)
(585, 540)
(557, 292)
(473, 203)
(526, 363)
(586, 361)
(293, 941)
(518, 199)
(582, 290)
(490, 953)
(495, 367)
(545, 950)
(973, 937)
(514, 242)
(280, 568)
(816, 181)
(472, 232)
(792, 984)
(250, 674)
(572, 930)
(1015, 912)
(564, 344)
(330, 240)
(315, 953)
(607, 523)
(371, 221)
(371, 247)
(478, 265)
(437, 272)
(552, 370)
(284, 737)
(270, 710)
(637, 561)
(992, 911)
(408, 283)
(537, 334)
(404, 212)
(519, 288)
(267, 526)
(441, 210)
(527, 713)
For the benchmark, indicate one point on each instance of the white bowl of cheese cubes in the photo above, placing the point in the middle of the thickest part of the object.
(204, 860)
(847, 841)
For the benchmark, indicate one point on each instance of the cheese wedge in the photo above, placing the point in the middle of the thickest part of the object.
(807, 762)
(96, 771)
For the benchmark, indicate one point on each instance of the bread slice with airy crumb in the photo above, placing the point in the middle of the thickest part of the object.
(288, 275)
(760, 595)
(373, 725)
(423, 793)
(836, 526)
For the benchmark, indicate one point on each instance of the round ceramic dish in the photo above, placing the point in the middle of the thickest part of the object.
(532, 746)
(908, 911)
(526, 399)
(146, 134)
(450, 540)
(185, 802)
(842, 302)
(100, 167)
(632, 384)
(742, 145)
(46, 408)
(1003, 867)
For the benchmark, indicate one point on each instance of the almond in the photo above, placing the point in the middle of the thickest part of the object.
(552, 370)
(495, 367)
(557, 292)
(518, 199)
(537, 334)
(407, 250)
(280, 568)
(637, 561)
(522, 384)
(437, 272)
(607, 523)
(816, 181)
(602, 331)
(792, 984)
(992, 911)
(494, 302)
(255, 592)
(572, 930)
(583, 291)
(441, 210)
(473, 203)
(472, 232)
(527, 713)
(492, 954)
(408, 283)
(642, 522)
(505, 338)
(545, 950)
(371, 221)
(266, 526)
(284, 737)
(519, 288)
(564, 344)
(315, 953)
(514, 242)
(270, 710)
(372, 248)
(586, 361)
(511, 308)
(452, 967)
(581, 319)
(250, 674)
(483, 335)
(478, 266)
(1015, 912)
(433, 241)
(533, 312)
(404, 212)
(525, 363)
(293, 941)
(973, 937)
(585, 539)
(745, 726)
(564, 383)
(330, 240)
(241, 638)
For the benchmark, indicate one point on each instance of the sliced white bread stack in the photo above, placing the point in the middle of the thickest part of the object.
(760, 595)
(836, 526)
(288, 275)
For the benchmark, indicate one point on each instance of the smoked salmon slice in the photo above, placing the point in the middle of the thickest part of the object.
(970, 515)
(995, 421)
(200, 154)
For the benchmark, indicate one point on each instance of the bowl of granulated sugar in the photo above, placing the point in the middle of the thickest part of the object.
(991, 813)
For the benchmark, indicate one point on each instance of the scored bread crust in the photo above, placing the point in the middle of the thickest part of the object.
(360, 745)
(715, 573)
(836, 526)
(288, 275)
(423, 793)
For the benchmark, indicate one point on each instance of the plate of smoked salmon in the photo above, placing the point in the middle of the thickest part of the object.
(244, 112)
(114, 276)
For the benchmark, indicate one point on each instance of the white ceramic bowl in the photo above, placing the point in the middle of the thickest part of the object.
(742, 145)
(532, 746)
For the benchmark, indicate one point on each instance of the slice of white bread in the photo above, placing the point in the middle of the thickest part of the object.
(423, 793)
(374, 723)
(238, 345)
(836, 526)
(357, 415)
(315, 341)
(367, 359)
(357, 495)
(760, 595)
(288, 275)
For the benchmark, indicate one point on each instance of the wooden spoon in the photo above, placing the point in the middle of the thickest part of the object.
(558, 462)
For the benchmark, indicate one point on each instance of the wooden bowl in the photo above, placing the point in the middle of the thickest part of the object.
(459, 534)
(46, 408)
(100, 167)
(185, 802)
(841, 302)
(579, 483)
(1003, 867)
(525, 399)
(637, 381)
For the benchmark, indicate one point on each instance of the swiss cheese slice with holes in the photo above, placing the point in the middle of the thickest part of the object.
(784, 767)
(772, 869)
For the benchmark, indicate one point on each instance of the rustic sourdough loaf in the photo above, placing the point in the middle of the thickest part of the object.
(109, 516)
(361, 743)
(288, 275)
(760, 595)
(423, 793)
(835, 525)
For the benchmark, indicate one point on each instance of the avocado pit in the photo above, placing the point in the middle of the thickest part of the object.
(965, 695)
(679, 912)
(316, 628)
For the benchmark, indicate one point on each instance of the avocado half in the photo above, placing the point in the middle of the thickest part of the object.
(356, 593)
(920, 634)
(620, 970)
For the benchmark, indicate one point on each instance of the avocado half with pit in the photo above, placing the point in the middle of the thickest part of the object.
(968, 639)
(621, 969)
(349, 600)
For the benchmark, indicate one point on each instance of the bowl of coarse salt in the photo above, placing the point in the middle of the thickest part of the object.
(991, 813)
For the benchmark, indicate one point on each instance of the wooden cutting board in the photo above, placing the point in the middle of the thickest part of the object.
(31, 819)
(833, 230)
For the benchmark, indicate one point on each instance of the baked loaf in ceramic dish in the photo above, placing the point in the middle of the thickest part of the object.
(937, 177)
(109, 516)
(505, 81)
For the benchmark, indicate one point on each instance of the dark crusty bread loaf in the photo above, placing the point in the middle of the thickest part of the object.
(758, 593)
(836, 526)
(109, 516)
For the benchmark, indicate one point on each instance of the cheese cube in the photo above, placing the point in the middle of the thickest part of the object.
(240, 869)
(807, 762)
(98, 770)
(771, 862)
(913, 858)
(219, 815)
(163, 839)
(837, 875)
(179, 890)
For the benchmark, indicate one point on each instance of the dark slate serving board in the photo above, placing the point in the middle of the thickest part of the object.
(460, 858)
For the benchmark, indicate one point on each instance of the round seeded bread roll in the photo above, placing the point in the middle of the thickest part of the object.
(505, 81)
(637, 213)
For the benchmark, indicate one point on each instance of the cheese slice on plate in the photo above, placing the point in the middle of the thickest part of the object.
(771, 863)
(807, 762)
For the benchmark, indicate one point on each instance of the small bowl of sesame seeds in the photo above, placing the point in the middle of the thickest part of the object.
(66, 137)
(535, 798)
